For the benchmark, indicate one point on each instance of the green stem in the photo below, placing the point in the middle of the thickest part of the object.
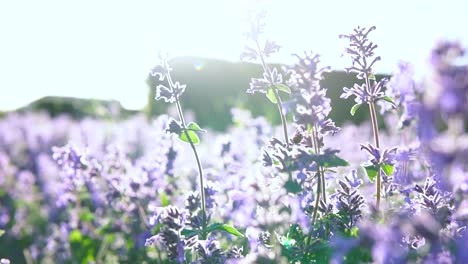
(319, 176)
(200, 170)
(195, 153)
(319, 168)
(283, 117)
(279, 102)
(375, 130)
(317, 199)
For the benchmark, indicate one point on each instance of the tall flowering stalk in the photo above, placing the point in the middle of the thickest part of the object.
(311, 111)
(186, 132)
(361, 51)
(272, 81)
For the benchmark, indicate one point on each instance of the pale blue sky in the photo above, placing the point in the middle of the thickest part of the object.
(104, 49)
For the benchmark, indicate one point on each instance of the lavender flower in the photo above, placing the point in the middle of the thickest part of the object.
(365, 94)
(378, 158)
(360, 50)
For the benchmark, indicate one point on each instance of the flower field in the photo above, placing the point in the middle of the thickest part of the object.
(169, 191)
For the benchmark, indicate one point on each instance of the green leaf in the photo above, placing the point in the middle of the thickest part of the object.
(353, 232)
(2, 232)
(388, 169)
(194, 127)
(282, 88)
(271, 95)
(224, 227)
(75, 236)
(354, 109)
(334, 161)
(190, 232)
(390, 100)
(288, 242)
(292, 187)
(371, 76)
(86, 216)
(164, 199)
(371, 171)
(192, 135)
(295, 232)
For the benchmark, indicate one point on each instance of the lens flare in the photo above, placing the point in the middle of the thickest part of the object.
(198, 66)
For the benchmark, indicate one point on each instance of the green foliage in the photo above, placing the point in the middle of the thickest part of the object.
(390, 100)
(329, 160)
(298, 247)
(283, 88)
(188, 136)
(358, 255)
(224, 227)
(194, 127)
(82, 247)
(220, 85)
(371, 171)
(354, 109)
(271, 95)
(2, 232)
(388, 169)
(78, 108)
(211, 228)
(86, 215)
(292, 187)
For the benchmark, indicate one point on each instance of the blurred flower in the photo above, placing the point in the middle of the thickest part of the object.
(378, 158)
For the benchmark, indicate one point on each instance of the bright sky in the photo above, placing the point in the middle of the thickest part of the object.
(104, 49)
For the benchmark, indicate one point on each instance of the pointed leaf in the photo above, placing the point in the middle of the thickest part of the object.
(388, 169)
(194, 127)
(354, 109)
(371, 171)
(390, 100)
(334, 161)
(224, 227)
(329, 160)
(192, 135)
(283, 88)
(292, 187)
(190, 232)
(271, 95)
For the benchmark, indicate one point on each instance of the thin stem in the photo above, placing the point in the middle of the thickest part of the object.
(279, 102)
(317, 198)
(375, 130)
(264, 65)
(195, 153)
(315, 138)
(375, 127)
(324, 193)
(283, 117)
(200, 170)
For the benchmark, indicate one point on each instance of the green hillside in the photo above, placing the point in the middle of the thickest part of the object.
(213, 88)
(217, 86)
(78, 108)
